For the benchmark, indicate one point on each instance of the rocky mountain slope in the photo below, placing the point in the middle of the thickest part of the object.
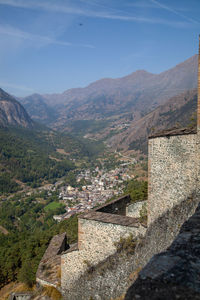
(178, 111)
(38, 109)
(135, 95)
(12, 112)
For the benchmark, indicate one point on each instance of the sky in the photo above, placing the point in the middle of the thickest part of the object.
(49, 46)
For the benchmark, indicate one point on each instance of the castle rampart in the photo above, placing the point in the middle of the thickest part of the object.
(97, 234)
(110, 278)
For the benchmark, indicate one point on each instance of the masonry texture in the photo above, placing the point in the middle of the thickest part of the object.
(98, 233)
(172, 171)
(175, 273)
(173, 198)
(110, 278)
(135, 210)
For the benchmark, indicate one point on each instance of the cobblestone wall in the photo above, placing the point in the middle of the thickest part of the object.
(172, 172)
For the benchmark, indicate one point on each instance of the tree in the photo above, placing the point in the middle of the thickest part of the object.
(27, 274)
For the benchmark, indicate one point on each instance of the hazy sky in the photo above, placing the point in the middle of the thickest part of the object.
(49, 46)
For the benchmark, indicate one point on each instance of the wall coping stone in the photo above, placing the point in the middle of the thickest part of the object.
(51, 261)
(47, 271)
(111, 218)
(173, 132)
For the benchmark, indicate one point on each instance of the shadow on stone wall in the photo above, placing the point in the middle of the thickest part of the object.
(174, 273)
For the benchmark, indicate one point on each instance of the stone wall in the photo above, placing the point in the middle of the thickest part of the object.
(98, 233)
(174, 273)
(49, 266)
(111, 277)
(172, 172)
(95, 269)
(21, 296)
(134, 210)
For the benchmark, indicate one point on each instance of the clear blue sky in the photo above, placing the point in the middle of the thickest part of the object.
(49, 46)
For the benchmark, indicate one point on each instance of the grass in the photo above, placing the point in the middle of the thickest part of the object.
(52, 292)
(53, 206)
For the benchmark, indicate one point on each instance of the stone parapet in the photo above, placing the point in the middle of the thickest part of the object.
(112, 276)
(48, 272)
(97, 238)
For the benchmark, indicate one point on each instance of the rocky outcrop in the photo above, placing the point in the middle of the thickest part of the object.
(12, 112)
(178, 111)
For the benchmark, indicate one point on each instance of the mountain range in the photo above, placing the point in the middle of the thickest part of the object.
(121, 111)
(135, 95)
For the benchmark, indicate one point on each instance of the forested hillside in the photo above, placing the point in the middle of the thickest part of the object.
(27, 228)
(39, 156)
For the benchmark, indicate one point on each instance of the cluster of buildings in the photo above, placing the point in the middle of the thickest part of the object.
(99, 186)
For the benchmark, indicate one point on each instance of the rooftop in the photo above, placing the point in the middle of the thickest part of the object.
(174, 131)
(111, 218)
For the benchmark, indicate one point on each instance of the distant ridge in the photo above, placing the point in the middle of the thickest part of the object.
(135, 94)
(12, 112)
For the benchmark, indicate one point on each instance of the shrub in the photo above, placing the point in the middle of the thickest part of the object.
(127, 244)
